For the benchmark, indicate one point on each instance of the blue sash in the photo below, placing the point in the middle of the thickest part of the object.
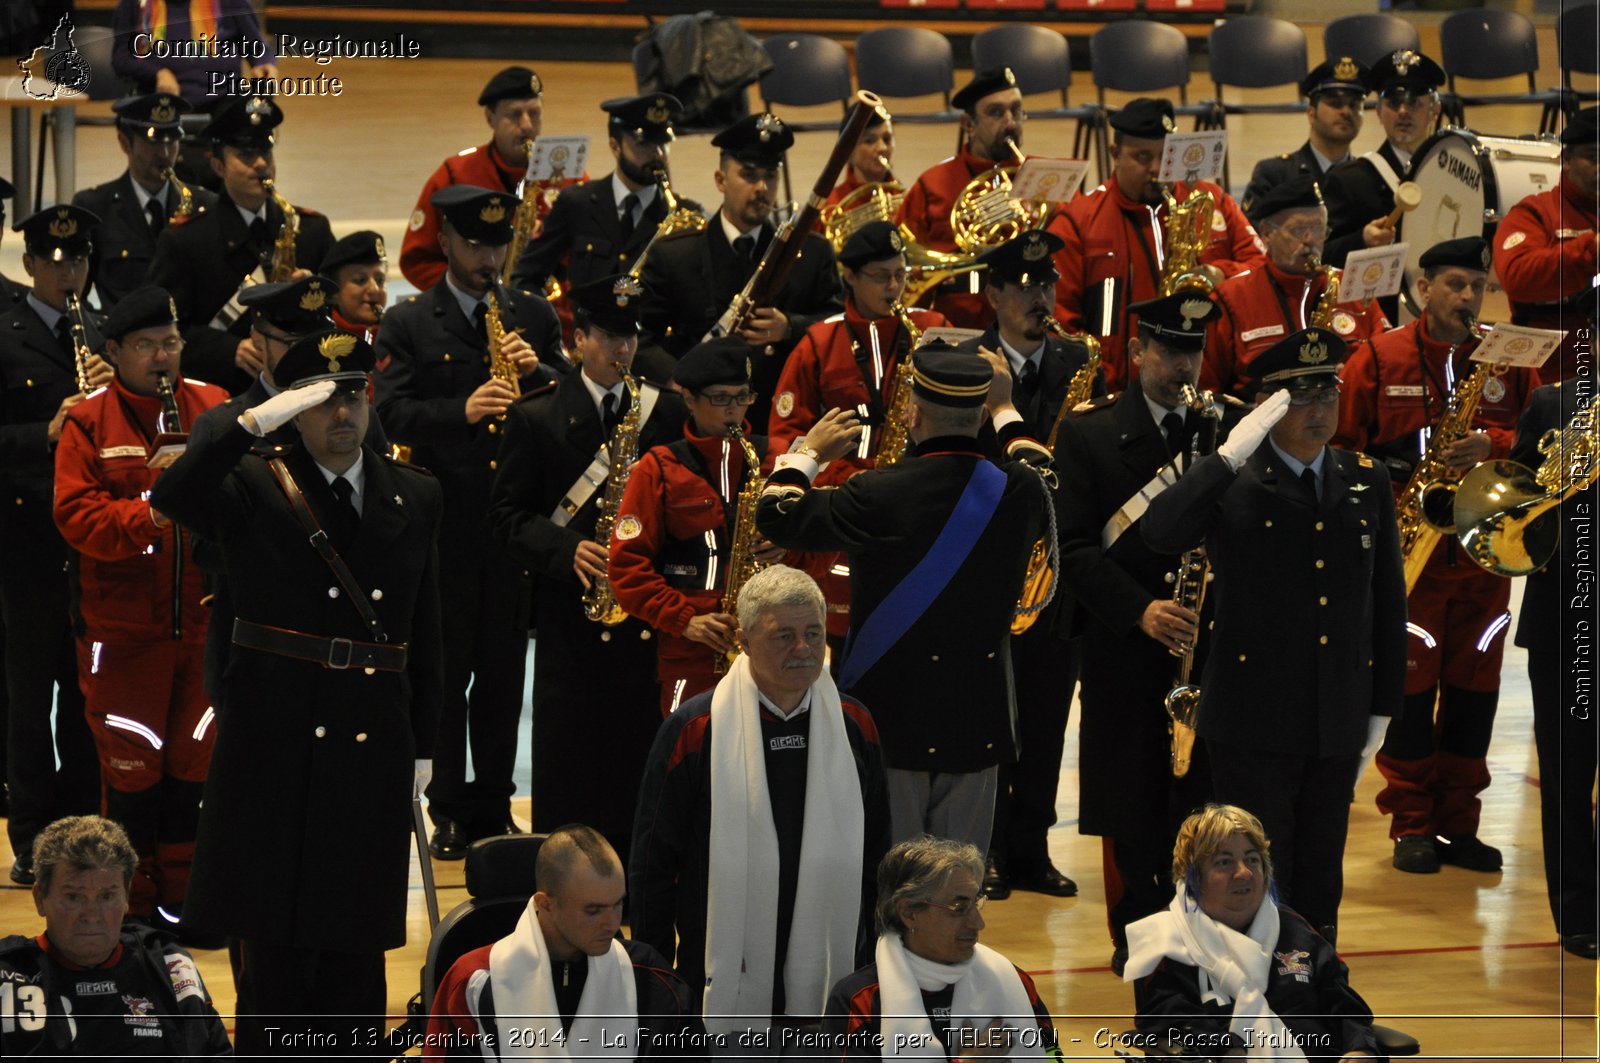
(912, 596)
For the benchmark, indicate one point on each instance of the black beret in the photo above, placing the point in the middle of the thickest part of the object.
(610, 304)
(1343, 74)
(58, 232)
(244, 122)
(649, 117)
(758, 140)
(1308, 358)
(146, 307)
(1405, 69)
(1299, 192)
(476, 213)
(1026, 259)
(945, 376)
(1177, 321)
(1145, 118)
(1467, 252)
(153, 116)
(983, 83)
(512, 83)
(295, 307)
(873, 242)
(330, 355)
(1583, 128)
(720, 361)
(364, 247)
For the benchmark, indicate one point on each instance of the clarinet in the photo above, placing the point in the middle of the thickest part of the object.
(170, 421)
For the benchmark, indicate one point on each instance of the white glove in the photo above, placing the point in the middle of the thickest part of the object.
(1248, 433)
(1377, 730)
(282, 407)
(421, 779)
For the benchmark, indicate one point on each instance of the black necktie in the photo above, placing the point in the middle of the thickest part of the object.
(480, 321)
(745, 246)
(64, 333)
(1172, 425)
(1309, 478)
(1028, 379)
(630, 202)
(258, 231)
(609, 416)
(157, 210)
(346, 520)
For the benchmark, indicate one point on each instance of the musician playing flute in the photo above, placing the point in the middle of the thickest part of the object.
(143, 633)
(1396, 390)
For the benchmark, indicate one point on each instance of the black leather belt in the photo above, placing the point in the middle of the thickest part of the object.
(328, 652)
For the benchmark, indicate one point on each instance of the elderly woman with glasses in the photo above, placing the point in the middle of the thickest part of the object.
(1225, 971)
(932, 991)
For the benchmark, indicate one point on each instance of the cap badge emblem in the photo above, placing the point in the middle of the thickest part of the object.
(1193, 310)
(335, 347)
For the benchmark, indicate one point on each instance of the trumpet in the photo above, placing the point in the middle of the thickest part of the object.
(986, 215)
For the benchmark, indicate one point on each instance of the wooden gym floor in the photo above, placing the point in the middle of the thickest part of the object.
(1467, 962)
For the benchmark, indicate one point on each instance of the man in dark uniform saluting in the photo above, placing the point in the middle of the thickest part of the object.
(938, 545)
(332, 697)
(1295, 692)
(207, 261)
(594, 692)
(438, 393)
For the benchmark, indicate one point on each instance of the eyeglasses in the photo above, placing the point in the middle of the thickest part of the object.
(963, 907)
(146, 347)
(1317, 397)
(741, 398)
(884, 277)
(1305, 234)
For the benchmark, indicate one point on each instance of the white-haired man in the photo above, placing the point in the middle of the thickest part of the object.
(769, 778)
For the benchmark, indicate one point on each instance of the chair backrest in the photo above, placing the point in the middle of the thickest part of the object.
(1254, 52)
(500, 880)
(1576, 32)
(1486, 44)
(1368, 38)
(905, 61)
(1039, 57)
(1139, 56)
(807, 70)
(503, 866)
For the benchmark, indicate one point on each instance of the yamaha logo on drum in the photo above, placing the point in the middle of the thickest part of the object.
(1464, 170)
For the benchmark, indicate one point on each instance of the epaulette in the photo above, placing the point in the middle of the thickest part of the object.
(1091, 405)
(307, 211)
(1285, 158)
(184, 219)
(1364, 461)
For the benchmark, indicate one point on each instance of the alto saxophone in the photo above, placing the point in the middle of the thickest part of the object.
(80, 343)
(1189, 591)
(185, 197)
(894, 435)
(524, 220)
(500, 366)
(1322, 316)
(283, 265)
(1425, 510)
(599, 604)
(1039, 584)
(742, 563)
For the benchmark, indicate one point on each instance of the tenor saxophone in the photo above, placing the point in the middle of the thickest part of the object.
(742, 563)
(599, 603)
(894, 435)
(283, 265)
(1189, 591)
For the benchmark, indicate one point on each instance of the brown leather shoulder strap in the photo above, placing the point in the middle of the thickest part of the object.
(324, 546)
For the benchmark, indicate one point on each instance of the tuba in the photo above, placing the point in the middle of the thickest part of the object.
(742, 563)
(599, 604)
(1498, 505)
(1039, 585)
(986, 215)
(895, 435)
(1189, 590)
(283, 265)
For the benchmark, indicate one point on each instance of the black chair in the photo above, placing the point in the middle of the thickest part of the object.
(1142, 57)
(1255, 52)
(1577, 30)
(1485, 44)
(1042, 63)
(807, 71)
(1368, 38)
(904, 62)
(499, 875)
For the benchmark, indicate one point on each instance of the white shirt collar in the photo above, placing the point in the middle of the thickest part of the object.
(1158, 411)
(620, 191)
(804, 706)
(356, 474)
(251, 215)
(468, 302)
(1296, 466)
(1324, 163)
(144, 197)
(732, 233)
(1403, 156)
(1018, 359)
(598, 393)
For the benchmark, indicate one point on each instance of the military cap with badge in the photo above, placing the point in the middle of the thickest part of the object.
(1145, 118)
(154, 116)
(1026, 260)
(944, 376)
(610, 304)
(1403, 74)
(245, 122)
(1341, 74)
(58, 233)
(294, 307)
(338, 356)
(984, 83)
(720, 361)
(1176, 321)
(478, 214)
(1464, 252)
(148, 307)
(873, 242)
(362, 248)
(1305, 361)
(512, 83)
(649, 117)
(756, 140)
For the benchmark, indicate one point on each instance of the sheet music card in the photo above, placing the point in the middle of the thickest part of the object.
(1193, 156)
(1518, 345)
(1049, 180)
(559, 158)
(1373, 272)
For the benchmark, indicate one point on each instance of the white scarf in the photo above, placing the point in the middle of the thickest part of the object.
(987, 988)
(1233, 967)
(520, 978)
(741, 906)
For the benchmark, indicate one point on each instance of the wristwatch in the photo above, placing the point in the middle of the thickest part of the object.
(809, 451)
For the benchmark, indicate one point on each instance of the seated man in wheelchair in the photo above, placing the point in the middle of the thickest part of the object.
(1225, 972)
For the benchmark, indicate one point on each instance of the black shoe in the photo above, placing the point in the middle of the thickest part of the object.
(1047, 880)
(996, 884)
(1580, 945)
(449, 842)
(1468, 853)
(1415, 853)
(22, 870)
(1119, 960)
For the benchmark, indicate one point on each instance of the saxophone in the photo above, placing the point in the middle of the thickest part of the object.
(523, 221)
(1322, 316)
(80, 343)
(894, 436)
(599, 604)
(1039, 584)
(1185, 233)
(1425, 510)
(1189, 590)
(742, 563)
(185, 197)
(500, 367)
(283, 266)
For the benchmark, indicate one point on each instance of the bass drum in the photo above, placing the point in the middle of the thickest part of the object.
(1468, 182)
